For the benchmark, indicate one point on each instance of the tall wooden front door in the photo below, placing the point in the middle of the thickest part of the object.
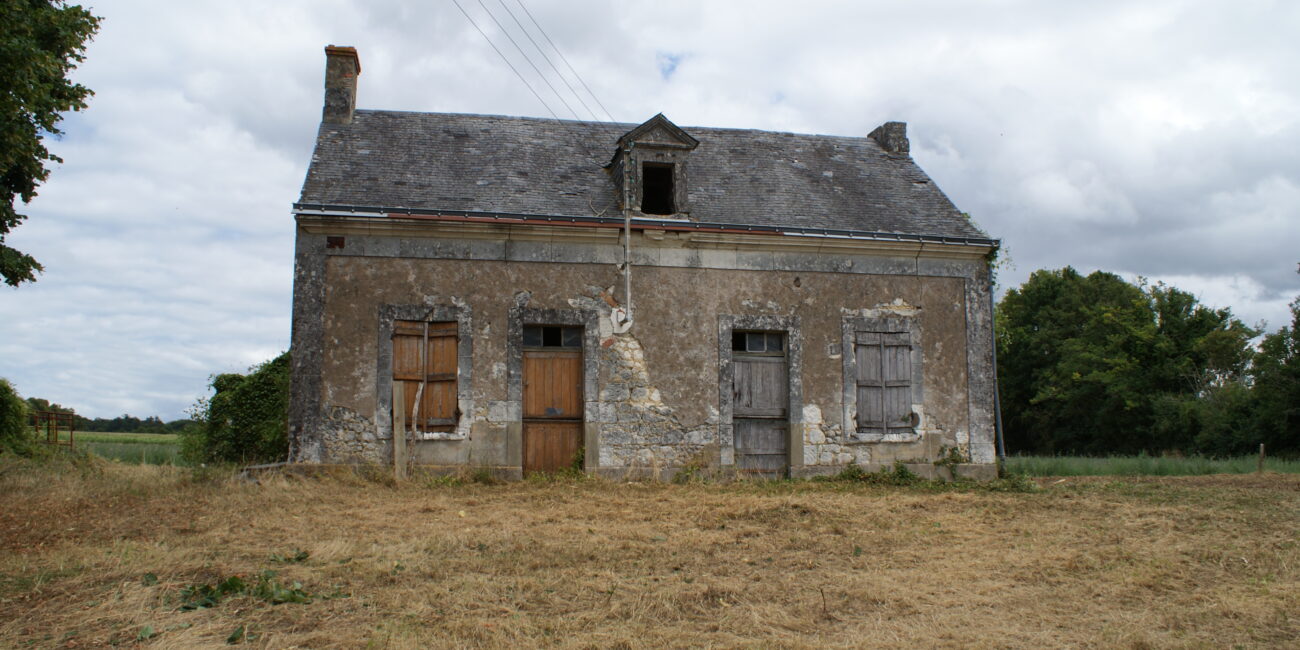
(552, 373)
(760, 398)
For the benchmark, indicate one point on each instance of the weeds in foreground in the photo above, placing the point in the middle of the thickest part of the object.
(267, 588)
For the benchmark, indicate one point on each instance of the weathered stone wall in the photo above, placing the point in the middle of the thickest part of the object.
(655, 402)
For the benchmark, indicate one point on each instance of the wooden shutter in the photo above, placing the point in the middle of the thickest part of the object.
(424, 365)
(884, 363)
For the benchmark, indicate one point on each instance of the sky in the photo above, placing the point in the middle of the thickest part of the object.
(1154, 139)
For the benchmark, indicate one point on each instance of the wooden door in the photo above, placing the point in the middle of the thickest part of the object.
(760, 397)
(552, 435)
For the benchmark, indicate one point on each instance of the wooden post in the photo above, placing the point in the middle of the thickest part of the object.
(1260, 468)
(399, 430)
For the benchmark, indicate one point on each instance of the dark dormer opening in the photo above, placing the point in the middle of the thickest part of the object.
(657, 188)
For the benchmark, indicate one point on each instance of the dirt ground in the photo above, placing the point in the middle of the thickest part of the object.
(103, 554)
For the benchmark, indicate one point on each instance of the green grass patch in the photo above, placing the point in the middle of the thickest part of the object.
(1143, 465)
(126, 438)
(134, 452)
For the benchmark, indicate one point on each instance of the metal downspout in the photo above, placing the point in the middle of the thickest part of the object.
(623, 322)
(997, 393)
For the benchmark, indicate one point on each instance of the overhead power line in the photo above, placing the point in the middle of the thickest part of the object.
(582, 128)
(507, 61)
(529, 60)
(565, 60)
(548, 60)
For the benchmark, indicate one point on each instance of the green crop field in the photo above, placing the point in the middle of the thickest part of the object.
(128, 438)
(135, 452)
(138, 448)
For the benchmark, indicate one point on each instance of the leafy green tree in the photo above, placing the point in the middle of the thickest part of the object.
(16, 435)
(1277, 387)
(1098, 365)
(41, 41)
(40, 404)
(245, 420)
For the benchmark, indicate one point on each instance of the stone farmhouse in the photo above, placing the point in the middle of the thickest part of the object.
(521, 295)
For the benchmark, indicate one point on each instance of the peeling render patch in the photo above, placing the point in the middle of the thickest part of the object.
(821, 442)
(637, 429)
(824, 446)
(349, 437)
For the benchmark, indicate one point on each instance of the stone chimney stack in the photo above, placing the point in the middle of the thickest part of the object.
(892, 137)
(342, 67)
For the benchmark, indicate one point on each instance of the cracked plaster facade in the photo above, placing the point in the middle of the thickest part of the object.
(654, 397)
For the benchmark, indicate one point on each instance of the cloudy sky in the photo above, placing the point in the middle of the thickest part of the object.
(1154, 138)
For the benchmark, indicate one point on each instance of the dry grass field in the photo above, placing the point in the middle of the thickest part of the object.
(101, 554)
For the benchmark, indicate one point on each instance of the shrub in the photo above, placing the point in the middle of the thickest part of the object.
(16, 435)
(245, 420)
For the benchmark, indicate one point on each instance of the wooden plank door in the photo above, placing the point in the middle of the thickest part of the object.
(760, 404)
(552, 435)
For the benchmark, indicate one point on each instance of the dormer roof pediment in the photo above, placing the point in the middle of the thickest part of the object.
(659, 131)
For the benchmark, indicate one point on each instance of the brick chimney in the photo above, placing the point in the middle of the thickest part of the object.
(892, 137)
(342, 66)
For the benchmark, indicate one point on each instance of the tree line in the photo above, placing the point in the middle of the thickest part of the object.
(124, 423)
(1096, 365)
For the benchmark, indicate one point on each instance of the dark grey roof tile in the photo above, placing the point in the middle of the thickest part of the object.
(522, 165)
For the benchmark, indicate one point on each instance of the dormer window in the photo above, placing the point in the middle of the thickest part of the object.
(657, 188)
(649, 169)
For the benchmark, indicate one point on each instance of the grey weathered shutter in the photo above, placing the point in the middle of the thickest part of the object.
(871, 393)
(897, 380)
(884, 369)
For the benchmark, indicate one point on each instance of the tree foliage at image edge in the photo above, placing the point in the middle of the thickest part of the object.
(15, 433)
(1095, 365)
(41, 42)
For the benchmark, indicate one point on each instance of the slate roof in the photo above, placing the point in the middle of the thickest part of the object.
(486, 163)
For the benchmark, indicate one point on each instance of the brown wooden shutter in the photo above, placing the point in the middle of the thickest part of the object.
(424, 363)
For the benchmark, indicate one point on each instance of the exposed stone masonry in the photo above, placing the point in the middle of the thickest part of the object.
(349, 437)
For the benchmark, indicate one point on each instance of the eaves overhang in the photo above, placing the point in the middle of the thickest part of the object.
(638, 223)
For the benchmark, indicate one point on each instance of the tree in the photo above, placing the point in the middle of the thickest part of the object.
(1100, 366)
(1277, 387)
(15, 434)
(245, 420)
(41, 41)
